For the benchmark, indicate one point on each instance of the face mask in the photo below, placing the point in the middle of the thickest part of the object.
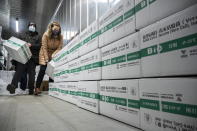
(32, 28)
(55, 32)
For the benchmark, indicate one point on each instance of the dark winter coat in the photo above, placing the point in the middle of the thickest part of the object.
(34, 39)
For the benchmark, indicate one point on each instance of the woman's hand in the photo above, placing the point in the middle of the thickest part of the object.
(29, 44)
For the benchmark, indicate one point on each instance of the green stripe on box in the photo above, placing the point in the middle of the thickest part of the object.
(95, 34)
(61, 56)
(140, 6)
(121, 59)
(75, 70)
(173, 45)
(151, 1)
(129, 13)
(117, 21)
(89, 95)
(62, 91)
(25, 53)
(112, 24)
(65, 91)
(118, 59)
(152, 50)
(133, 56)
(114, 100)
(74, 93)
(106, 62)
(180, 109)
(184, 42)
(134, 104)
(61, 73)
(102, 98)
(93, 65)
(86, 40)
(75, 47)
(11, 42)
(150, 104)
(22, 47)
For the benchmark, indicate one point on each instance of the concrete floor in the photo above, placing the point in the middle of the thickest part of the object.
(45, 113)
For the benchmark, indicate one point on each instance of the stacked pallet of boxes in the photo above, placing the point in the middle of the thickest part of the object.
(169, 48)
(119, 43)
(65, 73)
(121, 63)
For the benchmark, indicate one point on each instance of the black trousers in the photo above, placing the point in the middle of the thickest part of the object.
(41, 76)
(23, 80)
(30, 67)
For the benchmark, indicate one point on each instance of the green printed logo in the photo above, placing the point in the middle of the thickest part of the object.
(140, 6)
(134, 103)
(150, 104)
(181, 109)
(129, 13)
(184, 42)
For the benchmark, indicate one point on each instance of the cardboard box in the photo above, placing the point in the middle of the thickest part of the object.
(129, 17)
(74, 70)
(54, 90)
(150, 11)
(121, 59)
(50, 69)
(171, 106)
(73, 48)
(18, 49)
(118, 22)
(169, 47)
(61, 73)
(119, 99)
(61, 57)
(111, 25)
(90, 66)
(69, 91)
(88, 95)
(89, 39)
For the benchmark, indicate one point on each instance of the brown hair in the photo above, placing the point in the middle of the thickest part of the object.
(50, 30)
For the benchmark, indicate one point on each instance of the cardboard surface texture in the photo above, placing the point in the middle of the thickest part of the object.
(119, 99)
(166, 107)
(121, 59)
(169, 47)
(88, 95)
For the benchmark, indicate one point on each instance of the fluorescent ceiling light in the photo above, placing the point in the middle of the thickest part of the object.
(17, 25)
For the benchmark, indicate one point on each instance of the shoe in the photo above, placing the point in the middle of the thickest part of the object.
(31, 92)
(11, 88)
(25, 92)
(37, 91)
(19, 91)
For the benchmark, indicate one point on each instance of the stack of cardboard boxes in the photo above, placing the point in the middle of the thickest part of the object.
(122, 57)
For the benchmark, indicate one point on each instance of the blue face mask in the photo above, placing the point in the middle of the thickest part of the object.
(32, 28)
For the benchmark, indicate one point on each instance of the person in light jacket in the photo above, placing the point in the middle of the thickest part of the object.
(52, 42)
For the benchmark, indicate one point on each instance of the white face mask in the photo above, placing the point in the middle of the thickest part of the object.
(32, 28)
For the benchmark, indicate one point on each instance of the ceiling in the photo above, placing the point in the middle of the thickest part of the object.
(38, 11)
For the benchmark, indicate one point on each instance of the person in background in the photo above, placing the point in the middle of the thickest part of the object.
(32, 37)
(23, 81)
(52, 42)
